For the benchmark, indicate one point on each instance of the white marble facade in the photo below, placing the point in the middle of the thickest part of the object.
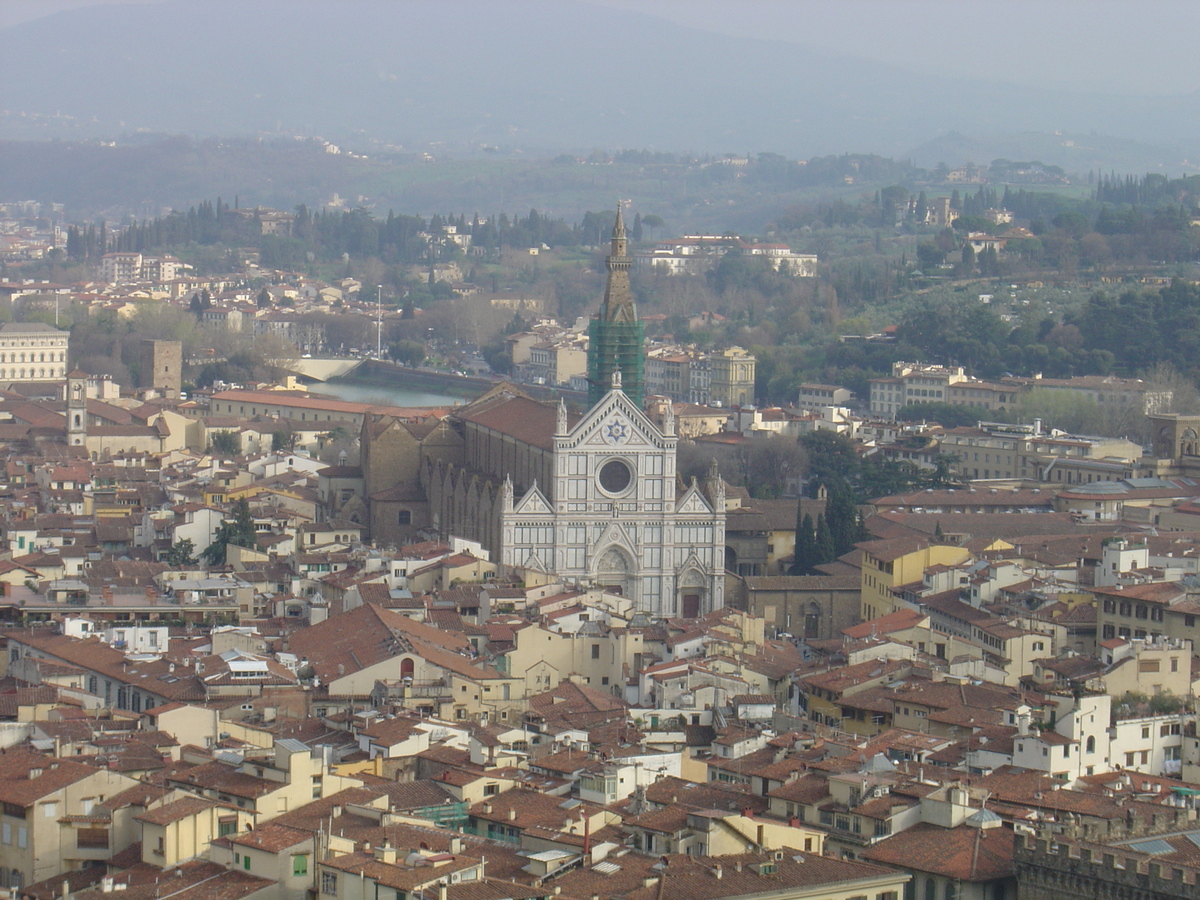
(618, 519)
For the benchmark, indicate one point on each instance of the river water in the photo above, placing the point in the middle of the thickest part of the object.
(389, 395)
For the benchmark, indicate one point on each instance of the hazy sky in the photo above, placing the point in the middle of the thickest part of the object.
(1109, 46)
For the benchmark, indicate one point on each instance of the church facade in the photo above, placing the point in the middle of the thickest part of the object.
(594, 498)
(613, 515)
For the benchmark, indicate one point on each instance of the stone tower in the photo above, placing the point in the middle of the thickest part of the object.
(615, 335)
(161, 366)
(77, 408)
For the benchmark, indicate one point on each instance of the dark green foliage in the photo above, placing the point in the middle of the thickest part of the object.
(965, 334)
(325, 235)
(831, 459)
(239, 532)
(181, 554)
(948, 415)
(226, 443)
(408, 353)
(1167, 330)
(849, 479)
(929, 255)
(879, 477)
(843, 519)
(824, 551)
(805, 558)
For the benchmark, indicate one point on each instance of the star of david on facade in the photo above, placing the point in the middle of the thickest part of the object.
(616, 431)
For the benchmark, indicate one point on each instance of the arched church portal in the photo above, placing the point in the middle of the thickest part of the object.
(693, 591)
(616, 571)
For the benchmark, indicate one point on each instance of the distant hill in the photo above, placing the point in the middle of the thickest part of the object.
(540, 75)
(1076, 153)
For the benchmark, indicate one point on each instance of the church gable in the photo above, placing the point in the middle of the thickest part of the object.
(613, 534)
(693, 502)
(613, 423)
(532, 504)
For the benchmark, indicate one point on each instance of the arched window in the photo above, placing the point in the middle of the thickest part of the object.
(1091, 743)
(930, 889)
(407, 667)
(951, 891)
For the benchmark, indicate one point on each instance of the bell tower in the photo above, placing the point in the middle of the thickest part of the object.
(77, 408)
(615, 334)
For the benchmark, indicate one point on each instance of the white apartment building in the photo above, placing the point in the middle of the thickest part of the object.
(131, 638)
(1152, 745)
(32, 351)
(694, 254)
(123, 268)
(912, 383)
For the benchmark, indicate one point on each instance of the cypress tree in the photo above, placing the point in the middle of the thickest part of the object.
(805, 555)
(841, 517)
(824, 544)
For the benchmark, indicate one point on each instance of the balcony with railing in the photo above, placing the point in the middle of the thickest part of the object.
(434, 690)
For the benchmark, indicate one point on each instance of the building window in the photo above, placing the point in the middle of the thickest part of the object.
(328, 882)
(300, 864)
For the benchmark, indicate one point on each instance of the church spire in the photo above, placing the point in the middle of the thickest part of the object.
(619, 244)
(615, 335)
(618, 295)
